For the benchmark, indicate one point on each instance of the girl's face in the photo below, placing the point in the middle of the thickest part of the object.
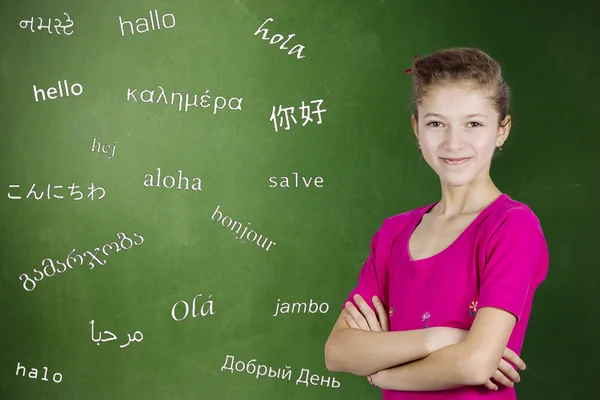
(458, 132)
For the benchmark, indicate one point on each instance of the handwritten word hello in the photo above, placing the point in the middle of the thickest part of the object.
(253, 367)
(205, 99)
(108, 336)
(49, 270)
(286, 114)
(76, 194)
(285, 181)
(204, 312)
(142, 23)
(278, 38)
(33, 373)
(58, 25)
(149, 179)
(301, 308)
(250, 232)
(75, 89)
(105, 148)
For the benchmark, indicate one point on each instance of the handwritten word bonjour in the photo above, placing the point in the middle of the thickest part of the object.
(33, 373)
(284, 183)
(278, 38)
(58, 25)
(251, 367)
(205, 99)
(48, 265)
(143, 23)
(233, 223)
(105, 148)
(75, 89)
(112, 336)
(149, 181)
(76, 194)
(300, 308)
(204, 313)
(286, 115)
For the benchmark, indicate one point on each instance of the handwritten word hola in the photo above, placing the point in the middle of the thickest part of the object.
(278, 38)
(282, 117)
(111, 336)
(58, 189)
(58, 25)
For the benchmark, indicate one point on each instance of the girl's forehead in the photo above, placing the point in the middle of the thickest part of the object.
(457, 98)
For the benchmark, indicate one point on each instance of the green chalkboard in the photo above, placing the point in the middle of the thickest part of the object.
(187, 192)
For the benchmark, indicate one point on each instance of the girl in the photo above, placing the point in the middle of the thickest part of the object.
(442, 302)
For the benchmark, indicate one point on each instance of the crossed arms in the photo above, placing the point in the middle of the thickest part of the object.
(436, 358)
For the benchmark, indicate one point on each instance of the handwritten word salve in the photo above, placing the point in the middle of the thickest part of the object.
(49, 269)
(231, 223)
(168, 181)
(142, 25)
(59, 192)
(282, 117)
(206, 100)
(278, 38)
(24, 24)
(33, 373)
(205, 309)
(284, 182)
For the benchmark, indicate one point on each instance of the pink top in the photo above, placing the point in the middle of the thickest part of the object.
(498, 261)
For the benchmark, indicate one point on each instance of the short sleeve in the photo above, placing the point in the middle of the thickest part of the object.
(372, 279)
(516, 263)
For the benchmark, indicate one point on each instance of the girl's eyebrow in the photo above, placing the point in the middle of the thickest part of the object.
(466, 116)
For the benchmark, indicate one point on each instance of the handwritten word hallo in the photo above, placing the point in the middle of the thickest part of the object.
(142, 23)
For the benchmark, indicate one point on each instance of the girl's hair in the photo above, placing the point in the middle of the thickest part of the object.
(461, 65)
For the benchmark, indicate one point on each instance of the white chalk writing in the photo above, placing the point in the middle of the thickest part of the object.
(108, 336)
(168, 181)
(33, 373)
(62, 90)
(105, 148)
(58, 192)
(300, 308)
(57, 25)
(231, 223)
(278, 38)
(168, 22)
(204, 310)
(284, 117)
(285, 181)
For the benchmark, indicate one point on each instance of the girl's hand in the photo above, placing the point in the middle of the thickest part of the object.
(365, 318)
(506, 374)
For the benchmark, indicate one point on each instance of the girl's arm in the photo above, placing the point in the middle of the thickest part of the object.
(364, 352)
(471, 362)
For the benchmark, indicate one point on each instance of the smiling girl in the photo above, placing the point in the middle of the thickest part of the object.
(443, 301)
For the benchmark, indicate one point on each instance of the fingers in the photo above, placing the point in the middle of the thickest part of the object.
(511, 356)
(501, 379)
(382, 314)
(508, 371)
(351, 322)
(357, 317)
(369, 314)
(490, 385)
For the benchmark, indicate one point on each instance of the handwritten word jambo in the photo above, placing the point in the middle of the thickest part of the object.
(286, 114)
(251, 367)
(205, 99)
(75, 194)
(300, 308)
(49, 270)
(136, 337)
(58, 25)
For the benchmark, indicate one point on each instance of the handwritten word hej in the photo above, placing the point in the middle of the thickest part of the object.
(232, 223)
(33, 373)
(278, 38)
(143, 26)
(63, 90)
(59, 192)
(169, 182)
(105, 148)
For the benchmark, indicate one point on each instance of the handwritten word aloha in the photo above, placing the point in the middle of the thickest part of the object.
(147, 96)
(282, 373)
(49, 270)
(286, 114)
(58, 25)
(75, 194)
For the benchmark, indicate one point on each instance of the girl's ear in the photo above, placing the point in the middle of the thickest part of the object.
(415, 125)
(504, 130)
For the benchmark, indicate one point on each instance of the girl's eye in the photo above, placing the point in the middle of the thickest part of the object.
(435, 124)
(477, 124)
